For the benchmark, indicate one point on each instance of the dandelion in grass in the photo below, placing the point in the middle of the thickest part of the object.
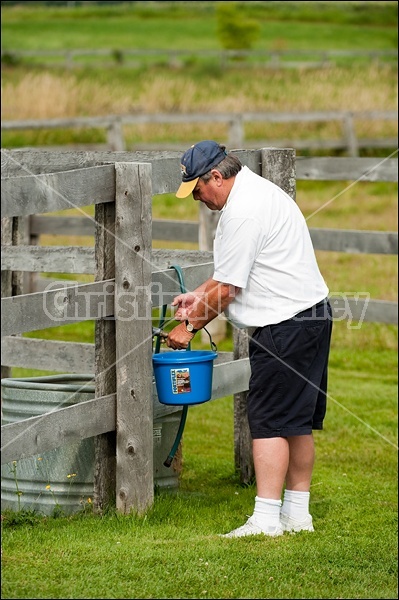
(13, 470)
(70, 476)
(48, 488)
(87, 505)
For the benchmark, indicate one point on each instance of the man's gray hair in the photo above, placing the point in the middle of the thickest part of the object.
(228, 167)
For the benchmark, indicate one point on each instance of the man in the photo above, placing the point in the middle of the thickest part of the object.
(265, 277)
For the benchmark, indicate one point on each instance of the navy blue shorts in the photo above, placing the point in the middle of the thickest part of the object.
(288, 383)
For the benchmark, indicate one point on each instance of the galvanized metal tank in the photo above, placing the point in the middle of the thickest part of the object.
(63, 477)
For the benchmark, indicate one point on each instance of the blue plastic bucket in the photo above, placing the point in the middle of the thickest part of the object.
(184, 376)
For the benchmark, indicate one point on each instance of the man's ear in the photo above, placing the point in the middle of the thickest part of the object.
(217, 177)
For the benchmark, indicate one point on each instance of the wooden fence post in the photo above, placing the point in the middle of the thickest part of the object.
(236, 135)
(13, 283)
(32, 240)
(133, 274)
(278, 165)
(105, 358)
(69, 58)
(115, 137)
(350, 135)
(21, 236)
(243, 459)
(6, 276)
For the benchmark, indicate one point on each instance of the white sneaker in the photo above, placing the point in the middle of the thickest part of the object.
(290, 524)
(251, 528)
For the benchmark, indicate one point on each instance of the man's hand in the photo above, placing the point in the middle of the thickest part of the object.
(199, 307)
(179, 338)
(185, 303)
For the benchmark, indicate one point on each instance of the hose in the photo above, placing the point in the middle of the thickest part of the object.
(183, 418)
(179, 434)
(158, 333)
(161, 324)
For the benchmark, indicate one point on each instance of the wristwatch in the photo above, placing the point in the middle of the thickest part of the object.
(190, 327)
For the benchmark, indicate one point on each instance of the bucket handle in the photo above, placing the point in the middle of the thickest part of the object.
(212, 343)
(183, 289)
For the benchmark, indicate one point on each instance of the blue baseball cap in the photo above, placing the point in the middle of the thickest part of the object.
(195, 162)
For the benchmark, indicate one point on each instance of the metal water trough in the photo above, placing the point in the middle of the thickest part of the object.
(64, 476)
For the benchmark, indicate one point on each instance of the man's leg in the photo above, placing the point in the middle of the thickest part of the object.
(295, 510)
(271, 462)
(301, 461)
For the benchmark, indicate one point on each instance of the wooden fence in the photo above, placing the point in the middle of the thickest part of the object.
(121, 186)
(137, 57)
(235, 123)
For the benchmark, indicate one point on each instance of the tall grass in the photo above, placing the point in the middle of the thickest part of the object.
(33, 95)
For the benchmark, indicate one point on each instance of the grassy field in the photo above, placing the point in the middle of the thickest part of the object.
(33, 92)
(181, 25)
(174, 551)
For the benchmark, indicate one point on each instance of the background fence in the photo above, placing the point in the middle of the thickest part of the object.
(121, 186)
(235, 123)
(136, 57)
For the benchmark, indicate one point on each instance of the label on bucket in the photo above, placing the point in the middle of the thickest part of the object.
(180, 381)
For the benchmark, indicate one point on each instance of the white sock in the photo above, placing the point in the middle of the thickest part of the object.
(296, 504)
(267, 513)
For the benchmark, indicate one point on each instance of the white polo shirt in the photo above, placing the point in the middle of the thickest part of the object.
(263, 246)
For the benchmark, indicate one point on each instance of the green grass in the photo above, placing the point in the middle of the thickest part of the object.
(174, 551)
(284, 26)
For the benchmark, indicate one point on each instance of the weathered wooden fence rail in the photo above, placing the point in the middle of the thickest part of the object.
(235, 123)
(57, 259)
(121, 186)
